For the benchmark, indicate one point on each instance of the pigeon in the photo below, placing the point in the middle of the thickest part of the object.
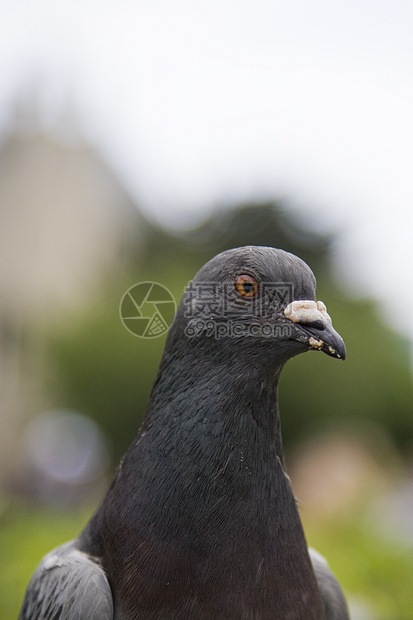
(200, 521)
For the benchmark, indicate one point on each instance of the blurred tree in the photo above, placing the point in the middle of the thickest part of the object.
(268, 223)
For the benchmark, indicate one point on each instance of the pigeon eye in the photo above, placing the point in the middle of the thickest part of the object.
(246, 285)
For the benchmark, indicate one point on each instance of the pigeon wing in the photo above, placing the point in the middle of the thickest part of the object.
(68, 585)
(334, 602)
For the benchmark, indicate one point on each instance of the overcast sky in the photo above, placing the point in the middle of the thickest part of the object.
(197, 103)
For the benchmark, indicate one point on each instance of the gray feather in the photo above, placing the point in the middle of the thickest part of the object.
(334, 602)
(68, 585)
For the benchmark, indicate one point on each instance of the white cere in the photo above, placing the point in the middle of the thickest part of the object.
(307, 311)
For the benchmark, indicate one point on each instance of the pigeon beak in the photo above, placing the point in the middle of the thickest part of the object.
(325, 339)
(314, 324)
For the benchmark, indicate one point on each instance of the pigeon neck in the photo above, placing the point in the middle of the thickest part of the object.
(205, 501)
(216, 441)
(231, 394)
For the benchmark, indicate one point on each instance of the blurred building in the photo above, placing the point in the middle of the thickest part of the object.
(65, 223)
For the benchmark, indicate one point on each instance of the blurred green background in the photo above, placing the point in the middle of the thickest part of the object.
(347, 427)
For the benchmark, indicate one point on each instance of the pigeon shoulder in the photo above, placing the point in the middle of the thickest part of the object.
(68, 584)
(334, 602)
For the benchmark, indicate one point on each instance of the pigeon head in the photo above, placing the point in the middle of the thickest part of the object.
(252, 298)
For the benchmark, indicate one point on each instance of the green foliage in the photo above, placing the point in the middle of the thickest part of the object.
(369, 568)
(27, 533)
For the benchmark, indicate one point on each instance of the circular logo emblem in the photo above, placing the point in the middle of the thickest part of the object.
(147, 309)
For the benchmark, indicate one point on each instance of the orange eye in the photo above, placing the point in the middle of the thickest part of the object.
(246, 285)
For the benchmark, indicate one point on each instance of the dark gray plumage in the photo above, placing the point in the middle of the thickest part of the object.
(200, 521)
